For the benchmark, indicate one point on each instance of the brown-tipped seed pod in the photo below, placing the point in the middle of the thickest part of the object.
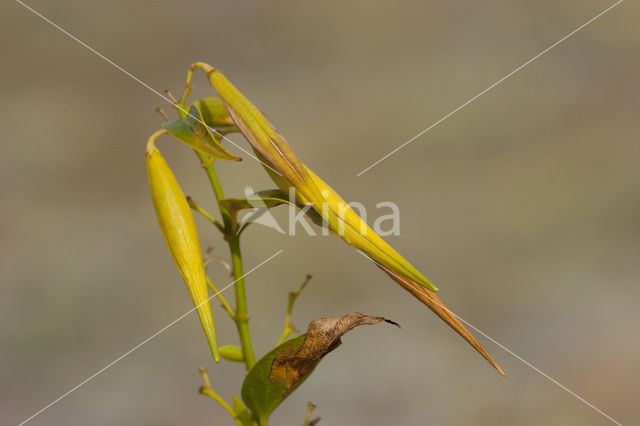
(180, 234)
(310, 189)
(273, 148)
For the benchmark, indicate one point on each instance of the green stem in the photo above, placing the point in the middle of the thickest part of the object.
(222, 299)
(307, 419)
(208, 166)
(207, 390)
(196, 207)
(242, 318)
(211, 394)
(288, 327)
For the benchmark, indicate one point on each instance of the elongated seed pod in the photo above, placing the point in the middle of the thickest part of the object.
(355, 231)
(180, 234)
(271, 147)
(274, 148)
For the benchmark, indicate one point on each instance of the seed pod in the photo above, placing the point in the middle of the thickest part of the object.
(355, 231)
(310, 189)
(272, 148)
(180, 234)
(261, 134)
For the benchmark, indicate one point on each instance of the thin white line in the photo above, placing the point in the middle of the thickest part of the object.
(91, 377)
(76, 39)
(548, 377)
(491, 87)
(280, 251)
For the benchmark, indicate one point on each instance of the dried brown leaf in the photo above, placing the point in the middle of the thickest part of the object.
(323, 336)
(282, 370)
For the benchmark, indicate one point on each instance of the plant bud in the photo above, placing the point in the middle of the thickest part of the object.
(231, 353)
(180, 234)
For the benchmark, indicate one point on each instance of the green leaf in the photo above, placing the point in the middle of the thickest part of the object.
(192, 132)
(262, 395)
(268, 198)
(286, 367)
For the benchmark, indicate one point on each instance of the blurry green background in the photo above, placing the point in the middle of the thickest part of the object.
(523, 207)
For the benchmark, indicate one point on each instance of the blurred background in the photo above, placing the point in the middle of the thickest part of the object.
(523, 207)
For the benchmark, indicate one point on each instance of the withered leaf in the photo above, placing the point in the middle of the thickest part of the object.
(282, 370)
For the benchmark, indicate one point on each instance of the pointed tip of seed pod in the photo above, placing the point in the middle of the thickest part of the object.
(206, 321)
(429, 286)
(436, 304)
(213, 346)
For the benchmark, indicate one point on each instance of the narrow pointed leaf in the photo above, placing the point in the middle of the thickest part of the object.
(268, 198)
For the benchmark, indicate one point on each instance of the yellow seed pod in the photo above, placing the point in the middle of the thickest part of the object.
(180, 234)
(272, 147)
(264, 138)
(355, 231)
